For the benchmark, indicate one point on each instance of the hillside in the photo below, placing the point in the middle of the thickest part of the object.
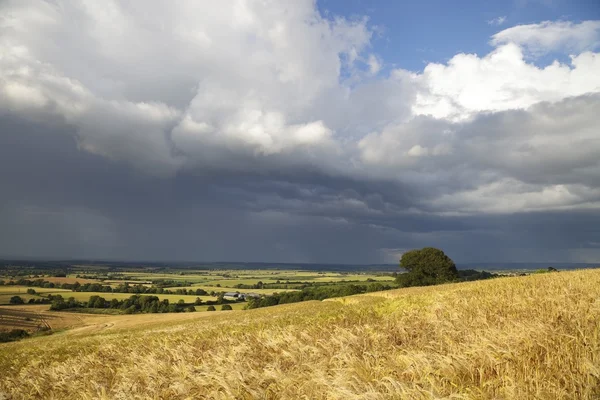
(527, 337)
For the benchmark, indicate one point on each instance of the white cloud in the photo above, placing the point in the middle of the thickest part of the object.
(374, 64)
(497, 21)
(549, 36)
(133, 78)
(501, 80)
(258, 87)
(510, 195)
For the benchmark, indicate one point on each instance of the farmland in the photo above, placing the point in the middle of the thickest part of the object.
(34, 318)
(229, 289)
(6, 292)
(84, 296)
(230, 278)
(174, 285)
(185, 290)
(522, 337)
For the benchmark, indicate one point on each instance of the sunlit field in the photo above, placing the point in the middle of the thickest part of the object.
(229, 289)
(173, 298)
(6, 292)
(534, 337)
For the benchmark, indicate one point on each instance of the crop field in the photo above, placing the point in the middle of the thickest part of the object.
(69, 279)
(32, 317)
(231, 278)
(223, 280)
(5, 298)
(6, 292)
(19, 290)
(209, 280)
(173, 298)
(533, 337)
(230, 289)
(19, 318)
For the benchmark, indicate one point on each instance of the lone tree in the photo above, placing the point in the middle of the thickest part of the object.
(428, 266)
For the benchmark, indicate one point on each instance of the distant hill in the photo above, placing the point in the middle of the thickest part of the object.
(488, 266)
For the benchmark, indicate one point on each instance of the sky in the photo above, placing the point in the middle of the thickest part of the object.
(325, 131)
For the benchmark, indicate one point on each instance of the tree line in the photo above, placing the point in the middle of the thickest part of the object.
(133, 305)
(99, 287)
(317, 293)
(136, 304)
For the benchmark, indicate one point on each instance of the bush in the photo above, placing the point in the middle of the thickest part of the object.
(544, 271)
(13, 335)
(16, 300)
(190, 309)
(226, 307)
(473, 275)
(211, 308)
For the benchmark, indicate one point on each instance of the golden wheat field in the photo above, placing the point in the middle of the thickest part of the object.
(534, 337)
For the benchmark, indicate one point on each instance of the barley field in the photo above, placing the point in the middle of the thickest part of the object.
(534, 337)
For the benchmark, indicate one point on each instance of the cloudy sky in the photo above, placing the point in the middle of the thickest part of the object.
(300, 131)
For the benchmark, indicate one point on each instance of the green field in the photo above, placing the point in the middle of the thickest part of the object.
(231, 278)
(230, 289)
(301, 276)
(5, 298)
(173, 298)
(23, 289)
(6, 292)
(213, 280)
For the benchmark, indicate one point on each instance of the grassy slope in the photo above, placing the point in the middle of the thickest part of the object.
(526, 337)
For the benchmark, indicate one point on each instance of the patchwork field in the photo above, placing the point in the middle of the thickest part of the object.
(534, 337)
(230, 289)
(68, 279)
(6, 292)
(173, 298)
(231, 278)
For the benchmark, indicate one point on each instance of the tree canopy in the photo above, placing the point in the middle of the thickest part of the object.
(16, 300)
(427, 266)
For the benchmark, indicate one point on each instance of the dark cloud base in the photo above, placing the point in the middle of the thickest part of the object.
(58, 201)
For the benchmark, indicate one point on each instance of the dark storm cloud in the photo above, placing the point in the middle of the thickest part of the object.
(61, 201)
